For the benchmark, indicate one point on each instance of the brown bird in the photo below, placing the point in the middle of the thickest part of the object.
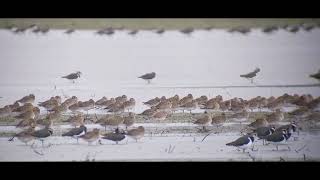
(241, 116)
(26, 123)
(70, 101)
(275, 117)
(258, 123)
(164, 105)
(14, 106)
(30, 114)
(213, 105)
(175, 105)
(91, 136)
(129, 120)
(121, 99)
(27, 99)
(108, 103)
(300, 112)
(218, 120)
(190, 106)
(137, 133)
(86, 105)
(149, 112)
(62, 108)
(104, 121)
(5, 111)
(24, 136)
(175, 98)
(160, 115)
(152, 102)
(129, 105)
(100, 102)
(74, 107)
(114, 121)
(49, 105)
(24, 108)
(76, 120)
(204, 121)
(202, 100)
(185, 100)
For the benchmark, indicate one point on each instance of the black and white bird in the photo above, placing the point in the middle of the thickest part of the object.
(148, 77)
(292, 127)
(73, 76)
(42, 133)
(76, 132)
(251, 75)
(262, 132)
(278, 138)
(115, 136)
(243, 142)
(316, 75)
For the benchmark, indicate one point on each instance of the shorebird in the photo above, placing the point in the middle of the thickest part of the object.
(275, 117)
(136, 133)
(152, 102)
(260, 122)
(26, 107)
(204, 121)
(308, 26)
(174, 98)
(14, 106)
(251, 75)
(164, 105)
(91, 136)
(74, 107)
(314, 104)
(160, 115)
(30, 114)
(114, 121)
(148, 77)
(190, 106)
(174, 105)
(76, 132)
(121, 99)
(103, 121)
(70, 101)
(242, 30)
(292, 127)
(241, 116)
(62, 108)
(108, 103)
(300, 112)
(274, 105)
(219, 120)
(5, 111)
(116, 108)
(129, 105)
(315, 76)
(278, 137)
(49, 105)
(149, 112)
(212, 105)
(26, 123)
(270, 29)
(129, 120)
(187, 30)
(100, 102)
(24, 136)
(185, 100)
(86, 105)
(202, 100)
(76, 120)
(293, 28)
(115, 136)
(133, 32)
(42, 133)
(243, 142)
(73, 76)
(160, 31)
(44, 30)
(225, 105)
(70, 31)
(262, 132)
(27, 99)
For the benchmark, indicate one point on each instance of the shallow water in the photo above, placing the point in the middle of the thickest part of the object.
(32, 63)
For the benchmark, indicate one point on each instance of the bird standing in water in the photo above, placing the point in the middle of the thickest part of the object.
(148, 77)
(73, 76)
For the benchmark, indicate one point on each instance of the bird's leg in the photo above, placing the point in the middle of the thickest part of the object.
(277, 147)
(77, 140)
(136, 140)
(73, 81)
(42, 142)
(116, 142)
(243, 150)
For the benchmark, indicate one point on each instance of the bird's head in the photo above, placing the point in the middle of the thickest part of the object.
(79, 73)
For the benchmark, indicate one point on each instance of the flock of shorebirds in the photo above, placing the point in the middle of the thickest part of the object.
(119, 114)
(111, 30)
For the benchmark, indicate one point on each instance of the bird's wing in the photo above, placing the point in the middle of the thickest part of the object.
(240, 141)
(41, 133)
(72, 132)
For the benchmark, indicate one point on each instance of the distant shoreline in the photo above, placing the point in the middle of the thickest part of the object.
(153, 23)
